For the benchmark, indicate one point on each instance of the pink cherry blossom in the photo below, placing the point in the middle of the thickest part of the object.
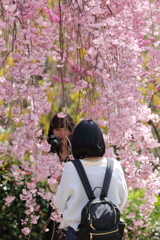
(9, 200)
(26, 231)
(44, 146)
(61, 115)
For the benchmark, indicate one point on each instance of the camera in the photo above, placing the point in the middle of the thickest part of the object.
(55, 143)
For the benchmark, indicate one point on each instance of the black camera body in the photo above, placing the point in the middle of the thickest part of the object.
(55, 143)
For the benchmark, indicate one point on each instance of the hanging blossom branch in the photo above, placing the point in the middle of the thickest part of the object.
(28, 57)
(118, 65)
(62, 60)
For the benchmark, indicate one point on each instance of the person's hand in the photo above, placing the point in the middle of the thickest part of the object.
(43, 141)
(59, 178)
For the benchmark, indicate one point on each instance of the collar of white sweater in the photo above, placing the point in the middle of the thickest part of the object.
(94, 161)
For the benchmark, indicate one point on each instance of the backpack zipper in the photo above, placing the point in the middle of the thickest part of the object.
(90, 221)
(104, 233)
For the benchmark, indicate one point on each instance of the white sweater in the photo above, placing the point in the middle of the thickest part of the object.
(71, 197)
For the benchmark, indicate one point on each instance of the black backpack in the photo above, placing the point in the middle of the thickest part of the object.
(100, 218)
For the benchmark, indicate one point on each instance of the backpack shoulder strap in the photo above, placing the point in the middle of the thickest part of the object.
(82, 174)
(107, 178)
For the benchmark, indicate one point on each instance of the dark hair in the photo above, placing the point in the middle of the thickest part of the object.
(87, 140)
(59, 122)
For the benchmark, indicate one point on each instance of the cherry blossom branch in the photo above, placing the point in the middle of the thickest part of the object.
(155, 129)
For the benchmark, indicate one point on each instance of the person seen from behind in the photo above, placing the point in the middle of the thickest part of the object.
(88, 146)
